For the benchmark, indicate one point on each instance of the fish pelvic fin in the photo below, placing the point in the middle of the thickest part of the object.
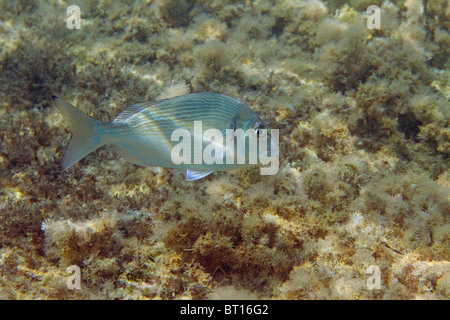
(192, 175)
(86, 133)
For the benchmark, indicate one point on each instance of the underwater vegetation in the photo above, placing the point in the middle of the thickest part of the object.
(364, 176)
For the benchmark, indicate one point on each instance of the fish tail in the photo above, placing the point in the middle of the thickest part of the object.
(86, 133)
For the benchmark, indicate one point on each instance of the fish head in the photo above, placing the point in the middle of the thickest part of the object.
(256, 129)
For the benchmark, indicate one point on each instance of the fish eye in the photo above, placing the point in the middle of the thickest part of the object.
(259, 132)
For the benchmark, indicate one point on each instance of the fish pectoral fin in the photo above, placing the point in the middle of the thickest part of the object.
(179, 170)
(192, 175)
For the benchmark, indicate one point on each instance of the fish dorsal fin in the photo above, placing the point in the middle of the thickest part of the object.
(196, 175)
(132, 110)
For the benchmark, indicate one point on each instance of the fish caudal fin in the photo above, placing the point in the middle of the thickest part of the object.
(85, 133)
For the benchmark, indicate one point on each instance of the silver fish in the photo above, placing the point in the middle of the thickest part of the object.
(143, 133)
